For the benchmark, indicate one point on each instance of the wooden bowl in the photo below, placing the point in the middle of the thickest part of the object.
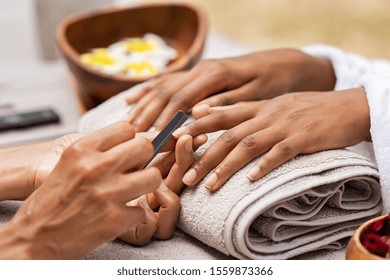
(355, 249)
(182, 25)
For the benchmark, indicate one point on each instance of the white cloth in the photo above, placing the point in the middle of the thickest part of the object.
(374, 75)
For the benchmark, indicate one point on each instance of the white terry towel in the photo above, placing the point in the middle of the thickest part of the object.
(307, 204)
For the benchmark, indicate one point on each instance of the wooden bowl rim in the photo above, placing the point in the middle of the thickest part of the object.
(358, 233)
(174, 66)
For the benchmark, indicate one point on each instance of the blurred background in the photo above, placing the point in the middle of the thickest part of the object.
(29, 82)
(358, 26)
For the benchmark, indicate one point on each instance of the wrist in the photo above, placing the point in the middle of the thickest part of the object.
(12, 244)
(26, 235)
(18, 169)
(310, 73)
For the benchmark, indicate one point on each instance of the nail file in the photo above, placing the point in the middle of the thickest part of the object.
(166, 134)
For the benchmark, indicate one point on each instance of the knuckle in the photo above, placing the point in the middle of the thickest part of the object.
(227, 137)
(75, 150)
(145, 145)
(203, 163)
(310, 128)
(100, 196)
(248, 142)
(212, 66)
(284, 148)
(155, 176)
(93, 168)
(180, 100)
(162, 91)
(174, 202)
(219, 116)
(224, 100)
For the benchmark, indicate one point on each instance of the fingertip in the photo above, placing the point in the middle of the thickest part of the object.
(180, 132)
(254, 173)
(189, 177)
(199, 140)
(156, 174)
(211, 180)
(186, 140)
(200, 110)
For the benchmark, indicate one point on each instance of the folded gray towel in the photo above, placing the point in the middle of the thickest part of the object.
(307, 204)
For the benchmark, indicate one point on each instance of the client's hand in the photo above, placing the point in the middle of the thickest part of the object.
(82, 203)
(278, 129)
(256, 76)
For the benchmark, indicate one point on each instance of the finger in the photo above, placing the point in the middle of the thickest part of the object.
(214, 122)
(224, 144)
(168, 213)
(150, 114)
(240, 105)
(138, 183)
(279, 154)
(200, 87)
(134, 96)
(143, 232)
(150, 135)
(223, 99)
(110, 136)
(199, 140)
(169, 146)
(164, 162)
(158, 97)
(184, 158)
(131, 155)
(203, 110)
(247, 149)
(139, 107)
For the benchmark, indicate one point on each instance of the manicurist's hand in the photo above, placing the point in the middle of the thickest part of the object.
(260, 75)
(278, 129)
(82, 202)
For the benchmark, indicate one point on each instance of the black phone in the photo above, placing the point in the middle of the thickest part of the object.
(166, 134)
(28, 119)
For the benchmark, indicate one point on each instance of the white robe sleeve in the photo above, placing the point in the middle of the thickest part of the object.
(377, 89)
(348, 68)
(374, 75)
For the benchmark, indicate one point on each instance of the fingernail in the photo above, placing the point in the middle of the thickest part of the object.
(253, 173)
(152, 129)
(131, 203)
(201, 110)
(145, 205)
(211, 181)
(163, 187)
(180, 131)
(190, 176)
(188, 146)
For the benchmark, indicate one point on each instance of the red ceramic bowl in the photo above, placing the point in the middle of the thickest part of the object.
(182, 25)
